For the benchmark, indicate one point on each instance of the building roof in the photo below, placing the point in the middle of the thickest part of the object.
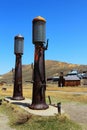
(73, 72)
(84, 76)
(71, 77)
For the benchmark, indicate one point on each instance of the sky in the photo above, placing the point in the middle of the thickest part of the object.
(66, 29)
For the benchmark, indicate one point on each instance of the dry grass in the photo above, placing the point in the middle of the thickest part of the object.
(56, 97)
(53, 91)
(25, 120)
(21, 120)
(27, 91)
(57, 94)
(17, 115)
(54, 87)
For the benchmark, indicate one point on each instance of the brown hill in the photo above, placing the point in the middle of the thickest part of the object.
(53, 68)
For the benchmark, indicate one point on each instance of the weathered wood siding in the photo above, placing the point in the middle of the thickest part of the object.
(72, 82)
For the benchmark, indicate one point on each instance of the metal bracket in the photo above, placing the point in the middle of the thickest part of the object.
(46, 47)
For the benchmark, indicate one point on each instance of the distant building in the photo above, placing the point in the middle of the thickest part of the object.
(84, 79)
(72, 79)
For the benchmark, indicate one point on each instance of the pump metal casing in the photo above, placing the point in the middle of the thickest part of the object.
(39, 30)
(18, 44)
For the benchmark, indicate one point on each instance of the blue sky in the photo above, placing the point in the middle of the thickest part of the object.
(66, 28)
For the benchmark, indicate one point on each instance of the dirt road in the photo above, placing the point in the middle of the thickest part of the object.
(4, 123)
(77, 113)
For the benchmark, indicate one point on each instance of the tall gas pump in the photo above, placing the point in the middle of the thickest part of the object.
(18, 51)
(39, 81)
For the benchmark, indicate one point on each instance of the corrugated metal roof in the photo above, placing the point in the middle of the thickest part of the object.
(68, 77)
(73, 72)
(84, 76)
(71, 77)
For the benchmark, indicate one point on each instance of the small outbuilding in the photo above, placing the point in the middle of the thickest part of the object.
(72, 80)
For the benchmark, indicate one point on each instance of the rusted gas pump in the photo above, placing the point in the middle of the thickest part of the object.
(61, 80)
(39, 82)
(18, 51)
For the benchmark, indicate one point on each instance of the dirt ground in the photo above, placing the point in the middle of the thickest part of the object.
(77, 112)
(4, 123)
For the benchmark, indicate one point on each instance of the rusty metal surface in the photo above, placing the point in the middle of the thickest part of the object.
(39, 85)
(17, 93)
(39, 18)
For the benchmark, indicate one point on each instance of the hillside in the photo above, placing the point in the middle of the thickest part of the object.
(53, 68)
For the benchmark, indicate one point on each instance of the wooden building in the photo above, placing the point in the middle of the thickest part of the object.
(72, 80)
